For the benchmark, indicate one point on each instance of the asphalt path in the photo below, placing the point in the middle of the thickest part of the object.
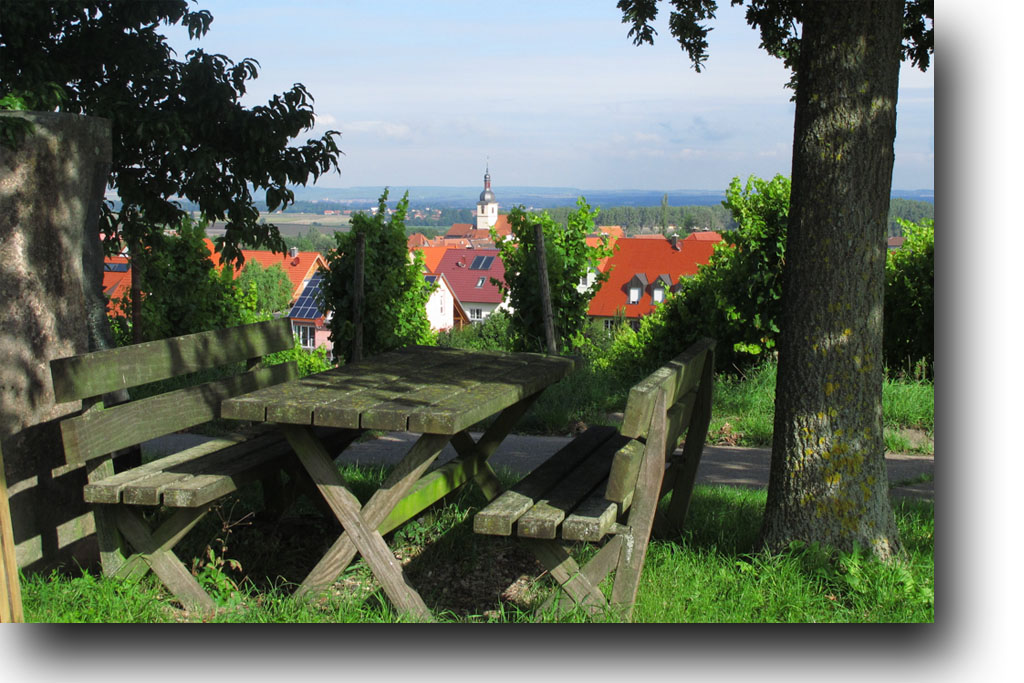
(719, 464)
(520, 454)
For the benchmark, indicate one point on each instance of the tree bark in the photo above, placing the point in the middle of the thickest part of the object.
(828, 481)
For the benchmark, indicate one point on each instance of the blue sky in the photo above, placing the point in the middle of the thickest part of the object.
(547, 93)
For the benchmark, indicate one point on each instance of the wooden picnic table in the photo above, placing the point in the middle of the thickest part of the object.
(436, 392)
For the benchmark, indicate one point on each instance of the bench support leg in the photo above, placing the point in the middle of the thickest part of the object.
(154, 551)
(683, 479)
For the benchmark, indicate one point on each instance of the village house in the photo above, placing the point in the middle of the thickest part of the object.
(642, 272)
(444, 311)
(469, 272)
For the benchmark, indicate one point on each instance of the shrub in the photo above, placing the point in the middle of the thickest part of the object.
(395, 292)
(909, 313)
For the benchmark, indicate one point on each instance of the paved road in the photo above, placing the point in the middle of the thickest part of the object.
(521, 454)
(719, 465)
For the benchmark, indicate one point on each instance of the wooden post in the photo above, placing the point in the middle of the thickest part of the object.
(545, 290)
(10, 587)
(357, 303)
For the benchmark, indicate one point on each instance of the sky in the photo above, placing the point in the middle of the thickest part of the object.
(548, 94)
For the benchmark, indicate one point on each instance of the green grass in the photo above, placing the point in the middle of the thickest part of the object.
(709, 573)
(743, 411)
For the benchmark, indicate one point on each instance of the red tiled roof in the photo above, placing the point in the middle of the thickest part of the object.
(502, 225)
(709, 236)
(298, 268)
(460, 229)
(456, 267)
(596, 242)
(417, 240)
(650, 259)
(611, 230)
(116, 284)
(432, 257)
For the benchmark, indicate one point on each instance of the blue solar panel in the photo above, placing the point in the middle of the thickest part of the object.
(307, 307)
(482, 263)
(115, 267)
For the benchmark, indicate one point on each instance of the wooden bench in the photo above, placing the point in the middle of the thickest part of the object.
(182, 486)
(605, 486)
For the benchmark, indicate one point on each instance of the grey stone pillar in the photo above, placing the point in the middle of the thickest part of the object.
(51, 187)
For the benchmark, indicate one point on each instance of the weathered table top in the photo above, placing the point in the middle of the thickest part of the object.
(421, 389)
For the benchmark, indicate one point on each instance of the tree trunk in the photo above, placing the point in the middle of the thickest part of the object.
(828, 480)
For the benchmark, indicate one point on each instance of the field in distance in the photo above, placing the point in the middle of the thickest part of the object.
(293, 224)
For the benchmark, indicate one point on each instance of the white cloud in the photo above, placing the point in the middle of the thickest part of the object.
(383, 129)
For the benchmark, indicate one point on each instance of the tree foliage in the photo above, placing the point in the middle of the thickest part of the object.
(736, 297)
(569, 259)
(395, 291)
(910, 299)
(177, 264)
(271, 285)
(179, 129)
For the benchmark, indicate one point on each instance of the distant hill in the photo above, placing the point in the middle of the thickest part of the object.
(531, 197)
(314, 199)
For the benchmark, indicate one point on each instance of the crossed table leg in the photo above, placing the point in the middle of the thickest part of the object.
(361, 524)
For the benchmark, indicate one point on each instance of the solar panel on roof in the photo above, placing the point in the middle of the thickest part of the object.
(482, 263)
(307, 306)
(115, 267)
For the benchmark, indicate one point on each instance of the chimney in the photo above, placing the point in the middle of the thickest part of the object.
(293, 252)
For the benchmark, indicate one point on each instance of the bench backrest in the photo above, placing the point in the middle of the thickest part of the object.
(686, 383)
(98, 432)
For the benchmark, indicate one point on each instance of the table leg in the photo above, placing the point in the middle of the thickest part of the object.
(483, 449)
(360, 523)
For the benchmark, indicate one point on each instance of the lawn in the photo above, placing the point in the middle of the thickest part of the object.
(709, 573)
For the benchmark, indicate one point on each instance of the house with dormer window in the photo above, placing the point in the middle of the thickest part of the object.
(469, 272)
(642, 273)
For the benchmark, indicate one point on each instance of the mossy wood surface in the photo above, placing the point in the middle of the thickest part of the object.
(678, 377)
(102, 372)
(418, 389)
(188, 481)
(97, 433)
(609, 483)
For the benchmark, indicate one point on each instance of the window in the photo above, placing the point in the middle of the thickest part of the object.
(658, 294)
(476, 314)
(634, 294)
(307, 336)
(480, 282)
(609, 324)
(635, 324)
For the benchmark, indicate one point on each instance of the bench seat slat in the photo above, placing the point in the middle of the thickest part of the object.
(247, 465)
(146, 488)
(545, 517)
(591, 520)
(500, 515)
(108, 490)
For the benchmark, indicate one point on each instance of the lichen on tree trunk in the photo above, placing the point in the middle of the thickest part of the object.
(828, 481)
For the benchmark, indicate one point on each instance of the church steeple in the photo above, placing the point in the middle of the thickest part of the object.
(487, 207)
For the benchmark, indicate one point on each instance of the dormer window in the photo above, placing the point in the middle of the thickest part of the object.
(636, 287)
(659, 287)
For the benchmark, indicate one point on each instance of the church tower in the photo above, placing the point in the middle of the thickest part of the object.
(487, 207)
